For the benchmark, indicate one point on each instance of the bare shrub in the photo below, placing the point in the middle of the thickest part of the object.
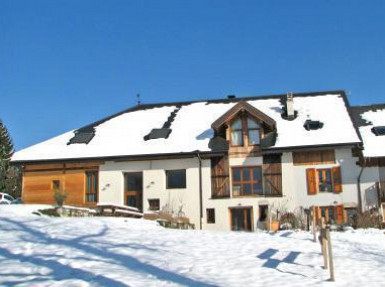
(368, 219)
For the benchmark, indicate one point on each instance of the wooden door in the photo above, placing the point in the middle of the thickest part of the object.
(133, 189)
(241, 219)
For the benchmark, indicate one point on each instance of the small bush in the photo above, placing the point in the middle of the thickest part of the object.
(50, 212)
(60, 196)
(368, 219)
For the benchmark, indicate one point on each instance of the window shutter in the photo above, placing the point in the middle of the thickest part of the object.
(311, 181)
(339, 211)
(272, 175)
(317, 214)
(337, 179)
(220, 177)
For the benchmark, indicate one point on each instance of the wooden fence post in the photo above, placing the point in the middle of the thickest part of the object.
(324, 243)
(330, 253)
(313, 217)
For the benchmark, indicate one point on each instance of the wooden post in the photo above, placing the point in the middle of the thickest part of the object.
(314, 224)
(330, 253)
(324, 243)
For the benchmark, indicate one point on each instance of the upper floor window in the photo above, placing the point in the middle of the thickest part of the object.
(247, 181)
(325, 183)
(236, 133)
(253, 132)
(324, 180)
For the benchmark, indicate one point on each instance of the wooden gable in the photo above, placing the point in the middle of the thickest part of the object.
(241, 107)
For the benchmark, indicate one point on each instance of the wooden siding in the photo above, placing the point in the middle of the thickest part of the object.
(314, 157)
(38, 182)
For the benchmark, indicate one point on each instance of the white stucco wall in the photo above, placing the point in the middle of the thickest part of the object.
(111, 183)
(222, 206)
(294, 185)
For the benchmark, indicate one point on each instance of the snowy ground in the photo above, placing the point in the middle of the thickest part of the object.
(42, 251)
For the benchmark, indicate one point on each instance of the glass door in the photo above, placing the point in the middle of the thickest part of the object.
(133, 189)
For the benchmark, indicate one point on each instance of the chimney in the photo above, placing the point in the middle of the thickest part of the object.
(290, 106)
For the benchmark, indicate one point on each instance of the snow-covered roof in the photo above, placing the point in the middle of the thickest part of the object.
(367, 117)
(123, 134)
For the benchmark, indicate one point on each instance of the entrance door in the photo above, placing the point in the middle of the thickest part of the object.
(241, 219)
(133, 189)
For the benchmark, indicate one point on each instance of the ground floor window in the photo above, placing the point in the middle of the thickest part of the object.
(92, 186)
(154, 204)
(247, 181)
(210, 212)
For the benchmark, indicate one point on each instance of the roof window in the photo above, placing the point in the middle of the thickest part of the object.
(379, 130)
(82, 136)
(313, 125)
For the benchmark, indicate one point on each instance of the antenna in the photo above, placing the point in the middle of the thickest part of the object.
(138, 99)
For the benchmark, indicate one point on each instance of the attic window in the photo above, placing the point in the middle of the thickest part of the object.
(379, 130)
(313, 125)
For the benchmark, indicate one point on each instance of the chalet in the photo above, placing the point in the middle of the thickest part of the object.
(224, 164)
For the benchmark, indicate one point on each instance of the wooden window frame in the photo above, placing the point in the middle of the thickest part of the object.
(151, 206)
(242, 182)
(167, 172)
(210, 215)
(313, 180)
(321, 170)
(241, 130)
(248, 130)
(245, 130)
(93, 191)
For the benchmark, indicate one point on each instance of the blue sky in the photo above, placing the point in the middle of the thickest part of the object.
(64, 64)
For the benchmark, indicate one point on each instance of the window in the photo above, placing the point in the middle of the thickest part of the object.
(210, 212)
(91, 186)
(325, 183)
(56, 184)
(247, 181)
(236, 133)
(176, 178)
(154, 204)
(328, 213)
(379, 130)
(247, 126)
(253, 132)
(324, 180)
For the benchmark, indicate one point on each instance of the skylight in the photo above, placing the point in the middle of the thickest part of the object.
(379, 130)
(313, 125)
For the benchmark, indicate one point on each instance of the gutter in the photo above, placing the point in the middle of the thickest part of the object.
(359, 189)
(200, 190)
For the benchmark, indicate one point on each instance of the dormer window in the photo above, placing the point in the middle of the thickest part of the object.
(236, 133)
(245, 126)
(253, 132)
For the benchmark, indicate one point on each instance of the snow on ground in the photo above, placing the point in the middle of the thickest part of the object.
(43, 251)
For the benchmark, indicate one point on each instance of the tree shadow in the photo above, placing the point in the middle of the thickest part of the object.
(126, 260)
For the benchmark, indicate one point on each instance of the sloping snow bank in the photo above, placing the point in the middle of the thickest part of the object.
(42, 251)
